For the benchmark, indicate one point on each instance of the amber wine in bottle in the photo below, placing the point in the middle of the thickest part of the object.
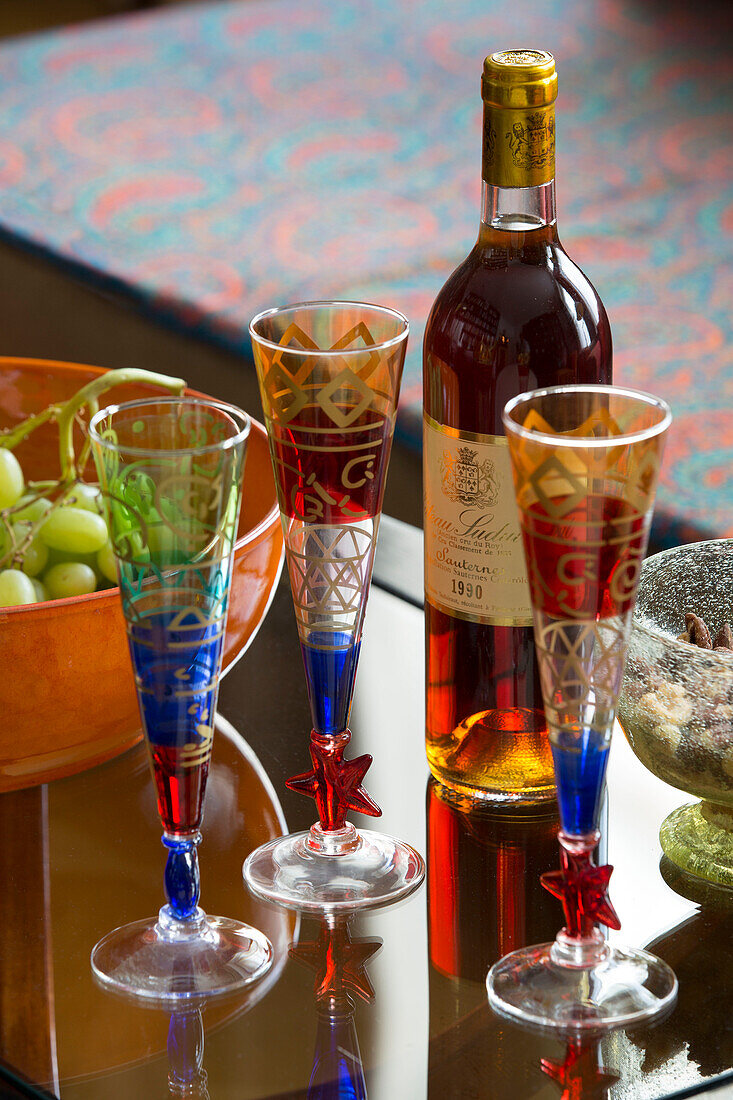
(516, 315)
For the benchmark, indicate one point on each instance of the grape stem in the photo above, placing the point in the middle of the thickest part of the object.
(16, 550)
(66, 416)
(88, 395)
(11, 437)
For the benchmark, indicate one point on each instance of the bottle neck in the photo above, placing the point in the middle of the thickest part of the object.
(518, 209)
(518, 168)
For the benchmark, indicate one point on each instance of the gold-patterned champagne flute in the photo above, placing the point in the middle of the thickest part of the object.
(329, 375)
(585, 461)
(171, 473)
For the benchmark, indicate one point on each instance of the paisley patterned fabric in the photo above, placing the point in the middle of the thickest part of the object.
(211, 161)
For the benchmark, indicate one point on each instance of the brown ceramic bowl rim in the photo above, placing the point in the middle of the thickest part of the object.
(255, 534)
(721, 659)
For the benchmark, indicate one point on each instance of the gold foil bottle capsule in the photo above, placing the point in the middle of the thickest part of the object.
(519, 89)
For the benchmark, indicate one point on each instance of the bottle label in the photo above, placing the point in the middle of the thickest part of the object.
(474, 561)
(519, 146)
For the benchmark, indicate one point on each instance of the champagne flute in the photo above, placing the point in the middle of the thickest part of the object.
(585, 461)
(329, 375)
(171, 474)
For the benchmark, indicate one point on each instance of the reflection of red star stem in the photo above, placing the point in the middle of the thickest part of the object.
(339, 962)
(335, 783)
(583, 890)
(580, 1075)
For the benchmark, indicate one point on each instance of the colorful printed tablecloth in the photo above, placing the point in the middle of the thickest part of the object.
(215, 160)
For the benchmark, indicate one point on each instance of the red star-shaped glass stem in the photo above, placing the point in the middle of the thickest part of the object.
(335, 783)
(339, 963)
(583, 890)
(580, 1075)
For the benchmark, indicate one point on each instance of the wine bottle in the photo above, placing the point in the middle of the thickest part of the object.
(516, 315)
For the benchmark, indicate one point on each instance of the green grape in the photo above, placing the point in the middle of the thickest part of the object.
(106, 562)
(34, 508)
(174, 516)
(56, 556)
(15, 588)
(161, 542)
(40, 589)
(88, 497)
(131, 547)
(138, 493)
(11, 479)
(75, 530)
(69, 578)
(35, 555)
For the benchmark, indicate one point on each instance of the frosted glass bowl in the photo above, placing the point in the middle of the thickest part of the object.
(676, 703)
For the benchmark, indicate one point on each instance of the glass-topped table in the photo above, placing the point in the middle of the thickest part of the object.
(405, 998)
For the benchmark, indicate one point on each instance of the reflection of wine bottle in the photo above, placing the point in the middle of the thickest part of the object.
(517, 314)
(484, 899)
(484, 892)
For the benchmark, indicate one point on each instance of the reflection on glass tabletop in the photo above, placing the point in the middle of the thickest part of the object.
(390, 1004)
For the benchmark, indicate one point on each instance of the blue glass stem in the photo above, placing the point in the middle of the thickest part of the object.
(182, 882)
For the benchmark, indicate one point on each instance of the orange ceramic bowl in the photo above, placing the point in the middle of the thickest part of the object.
(68, 694)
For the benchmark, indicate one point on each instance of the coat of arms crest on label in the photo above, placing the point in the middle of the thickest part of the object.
(531, 145)
(466, 480)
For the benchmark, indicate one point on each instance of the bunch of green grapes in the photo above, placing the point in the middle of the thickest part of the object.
(54, 540)
(61, 549)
